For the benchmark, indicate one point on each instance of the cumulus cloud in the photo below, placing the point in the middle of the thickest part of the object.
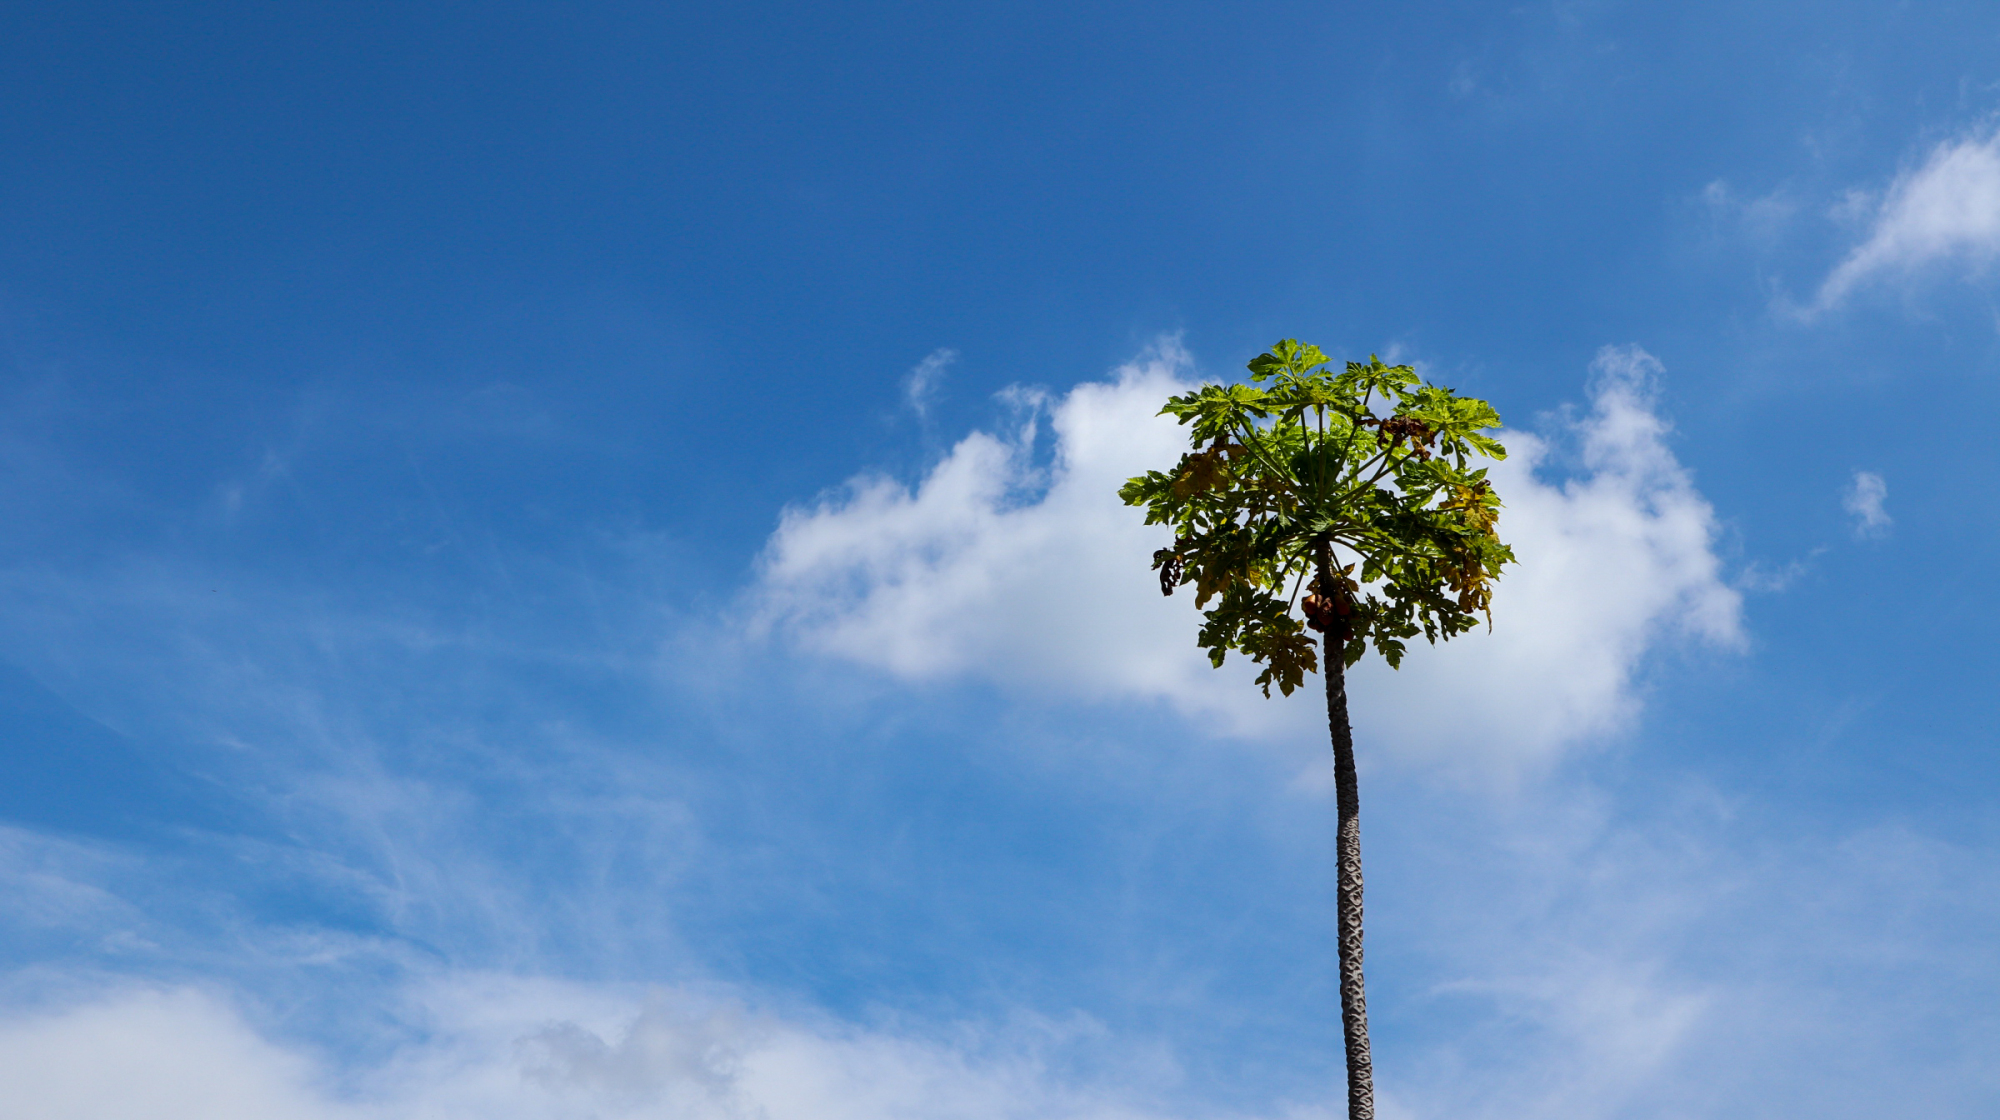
(995, 564)
(1025, 569)
(1863, 500)
(1947, 208)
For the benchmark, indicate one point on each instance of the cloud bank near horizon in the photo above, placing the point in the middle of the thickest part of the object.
(1584, 969)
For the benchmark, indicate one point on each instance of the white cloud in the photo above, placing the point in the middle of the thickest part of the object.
(498, 1048)
(1946, 208)
(1576, 968)
(152, 1056)
(1612, 560)
(920, 386)
(1570, 966)
(1863, 499)
(997, 565)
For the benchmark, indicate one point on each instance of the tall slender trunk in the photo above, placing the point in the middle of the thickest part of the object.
(1347, 851)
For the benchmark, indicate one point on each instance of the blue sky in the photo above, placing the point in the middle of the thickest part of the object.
(561, 561)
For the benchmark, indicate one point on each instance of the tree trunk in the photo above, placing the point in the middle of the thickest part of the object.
(1347, 852)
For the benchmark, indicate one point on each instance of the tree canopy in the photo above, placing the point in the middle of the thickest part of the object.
(1360, 479)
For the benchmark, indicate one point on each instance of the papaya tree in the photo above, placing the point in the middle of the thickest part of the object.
(1359, 489)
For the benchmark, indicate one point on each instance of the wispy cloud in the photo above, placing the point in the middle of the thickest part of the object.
(1946, 208)
(920, 385)
(1578, 966)
(500, 1048)
(1863, 499)
(1760, 217)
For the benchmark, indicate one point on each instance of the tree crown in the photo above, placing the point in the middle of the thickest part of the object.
(1306, 468)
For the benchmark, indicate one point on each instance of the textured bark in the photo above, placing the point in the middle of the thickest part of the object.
(1347, 852)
